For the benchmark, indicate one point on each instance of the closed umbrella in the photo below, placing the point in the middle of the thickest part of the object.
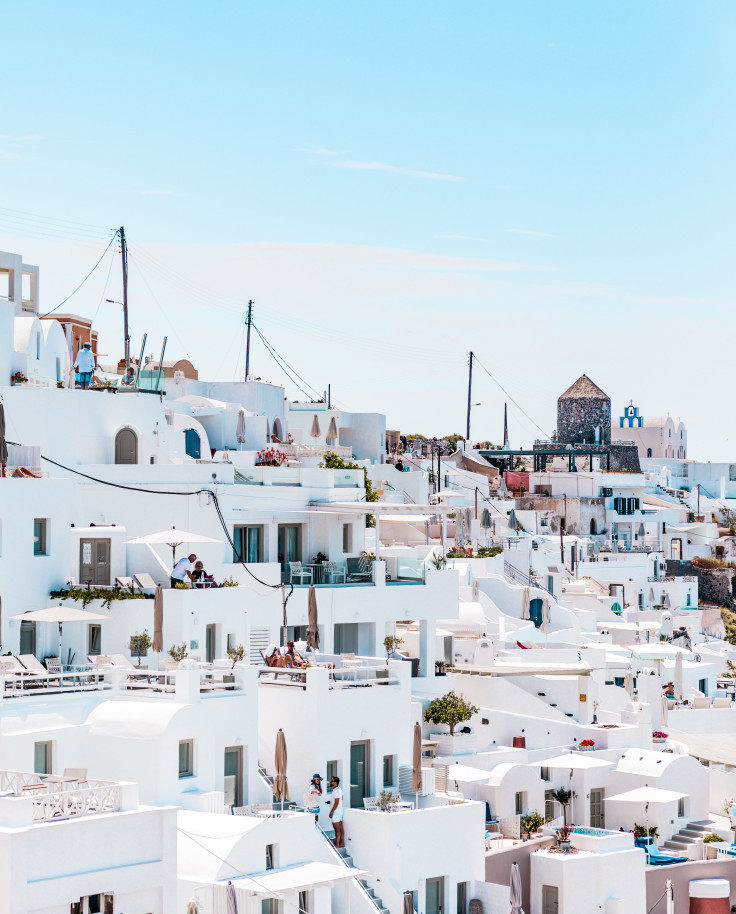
(525, 606)
(544, 627)
(485, 518)
(312, 629)
(515, 890)
(332, 430)
(60, 614)
(665, 710)
(232, 902)
(629, 684)
(416, 767)
(280, 784)
(651, 595)
(666, 600)
(240, 430)
(3, 442)
(678, 675)
(315, 432)
(192, 907)
(408, 903)
(475, 590)
(512, 519)
(158, 620)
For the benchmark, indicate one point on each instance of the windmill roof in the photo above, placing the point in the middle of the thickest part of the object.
(584, 387)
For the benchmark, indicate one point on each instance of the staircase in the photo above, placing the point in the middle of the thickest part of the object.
(688, 840)
(367, 894)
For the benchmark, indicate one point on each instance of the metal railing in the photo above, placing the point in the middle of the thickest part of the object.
(54, 800)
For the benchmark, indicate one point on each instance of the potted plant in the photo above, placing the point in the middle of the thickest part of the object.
(139, 644)
(178, 651)
(438, 561)
(18, 378)
(230, 582)
(392, 643)
(236, 654)
(563, 797)
(451, 710)
(387, 800)
(659, 736)
(563, 838)
(532, 821)
(587, 744)
(710, 852)
(440, 668)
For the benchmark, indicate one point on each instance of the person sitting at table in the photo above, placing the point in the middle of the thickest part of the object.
(293, 658)
(200, 576)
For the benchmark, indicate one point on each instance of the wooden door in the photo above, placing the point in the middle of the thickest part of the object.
(126, 446)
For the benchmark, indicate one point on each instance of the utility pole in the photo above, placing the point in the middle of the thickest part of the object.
(248, 322)
(470, 388)
(329, 396)
(126, 334)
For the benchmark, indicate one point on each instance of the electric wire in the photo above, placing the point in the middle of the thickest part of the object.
(293, 370)
(85, 278)
(276, 359)
(496, 381)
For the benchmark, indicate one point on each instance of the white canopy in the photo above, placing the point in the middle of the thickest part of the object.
(647, 795)
(173, 538)
(293, 878)
(60, 614)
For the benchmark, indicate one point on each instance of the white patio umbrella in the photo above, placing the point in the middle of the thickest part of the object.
(240, 430)
(678, 676)
(664, 711)
(544, 627)
(315, 432)
(666, 601)
(525, 602)
(60, 614)
(173, 538)
(515, 890)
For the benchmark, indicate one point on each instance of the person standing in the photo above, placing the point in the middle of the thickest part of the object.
(336, 813)
(84, 365)
(314, 793)
(183, 570)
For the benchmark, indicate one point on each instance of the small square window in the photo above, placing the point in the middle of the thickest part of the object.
(40, 536)
(270, 856)
(186, 758)
(42, 758)
(545, 774)
(331, 773)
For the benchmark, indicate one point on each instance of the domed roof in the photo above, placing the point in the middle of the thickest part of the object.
(584, 388)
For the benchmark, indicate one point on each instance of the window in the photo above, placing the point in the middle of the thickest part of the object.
(40, 529)
(289, 545)
(248, 544)
(94, 639)
(687, 599)
(38, 344)
(550, 807)
(681, 807)
(703, 686)
(58, 369)
(304, 906)
(519, 803)
(186, 760)
(462, 898)
(545, 775)
(28, 637)
(388, 771)
(94, 904)
(649, 452)
(347, 538)
(270, 856)
(270, 906)
(331, 773)
(42, 757)
(231, 642)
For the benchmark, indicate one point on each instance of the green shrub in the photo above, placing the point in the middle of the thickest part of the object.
(712, 839)
(86, 595)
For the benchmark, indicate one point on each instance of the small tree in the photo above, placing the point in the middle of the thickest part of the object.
(178, 651)
(236, 654)
(563, 797)
(450, 709)
(139, 644)
(532, 821)
(392, 643)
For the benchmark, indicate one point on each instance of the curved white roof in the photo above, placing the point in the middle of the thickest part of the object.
(23, 327)
(133, 719)
(647, 762)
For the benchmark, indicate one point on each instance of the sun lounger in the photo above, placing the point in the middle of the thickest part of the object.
(34, 669)
(145, 581)
(656, 857)
(700, 704)
(722, 702)
(127, 583)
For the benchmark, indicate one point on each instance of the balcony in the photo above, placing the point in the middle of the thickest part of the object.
(333, 671)
(315, 477)
(55, 798)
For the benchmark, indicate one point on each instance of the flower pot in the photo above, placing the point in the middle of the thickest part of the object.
(564, 845)
(459, 744)
(659, 739)
(586, 748)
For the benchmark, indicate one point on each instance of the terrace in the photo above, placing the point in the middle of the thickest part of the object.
(27, 798)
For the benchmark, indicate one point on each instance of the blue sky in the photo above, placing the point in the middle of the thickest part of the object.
(548, 183)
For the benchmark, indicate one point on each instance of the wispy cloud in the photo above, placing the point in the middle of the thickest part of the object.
(156, 193)
(320, 151)
(464, 238)
(20, 139)
(530, 232)
(397, 170)
(5, 154)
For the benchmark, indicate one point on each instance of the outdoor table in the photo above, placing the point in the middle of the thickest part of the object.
(318, 572)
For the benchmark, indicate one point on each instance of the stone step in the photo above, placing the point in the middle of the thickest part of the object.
(677, 845)
(703, 826)
(692, 832)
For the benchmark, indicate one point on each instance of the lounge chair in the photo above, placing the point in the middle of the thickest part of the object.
(358, 569)
(122, 661)
(331, 572)
(656, 857)
(242, 811)
(722, 702)
(699, 704)
(79, 775)
(127, 583)
(33, 669)
(144, 581)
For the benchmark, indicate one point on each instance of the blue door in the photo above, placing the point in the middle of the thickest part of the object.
(192, 444)
(535, 612)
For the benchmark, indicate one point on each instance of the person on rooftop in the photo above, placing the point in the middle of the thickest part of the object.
(200, 577)
(274, 657)
(128, 379)
(183, 570)
(84, 365)
(293, 657)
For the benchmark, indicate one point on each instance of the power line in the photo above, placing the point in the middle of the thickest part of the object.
(496, 381)
(85, 278)
(276, 359)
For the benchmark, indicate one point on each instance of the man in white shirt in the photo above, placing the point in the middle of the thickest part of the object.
(84, 365)
(336, 813)
(183, 570)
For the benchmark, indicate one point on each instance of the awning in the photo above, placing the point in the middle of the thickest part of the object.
(385, 507)
(647, 795)
(295, 878)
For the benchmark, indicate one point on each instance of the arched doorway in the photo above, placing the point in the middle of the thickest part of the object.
(676, 549)
(649, 452)
(593, 527)
(126, 446)
(192, 443)
(278, 429)
(535, 611)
